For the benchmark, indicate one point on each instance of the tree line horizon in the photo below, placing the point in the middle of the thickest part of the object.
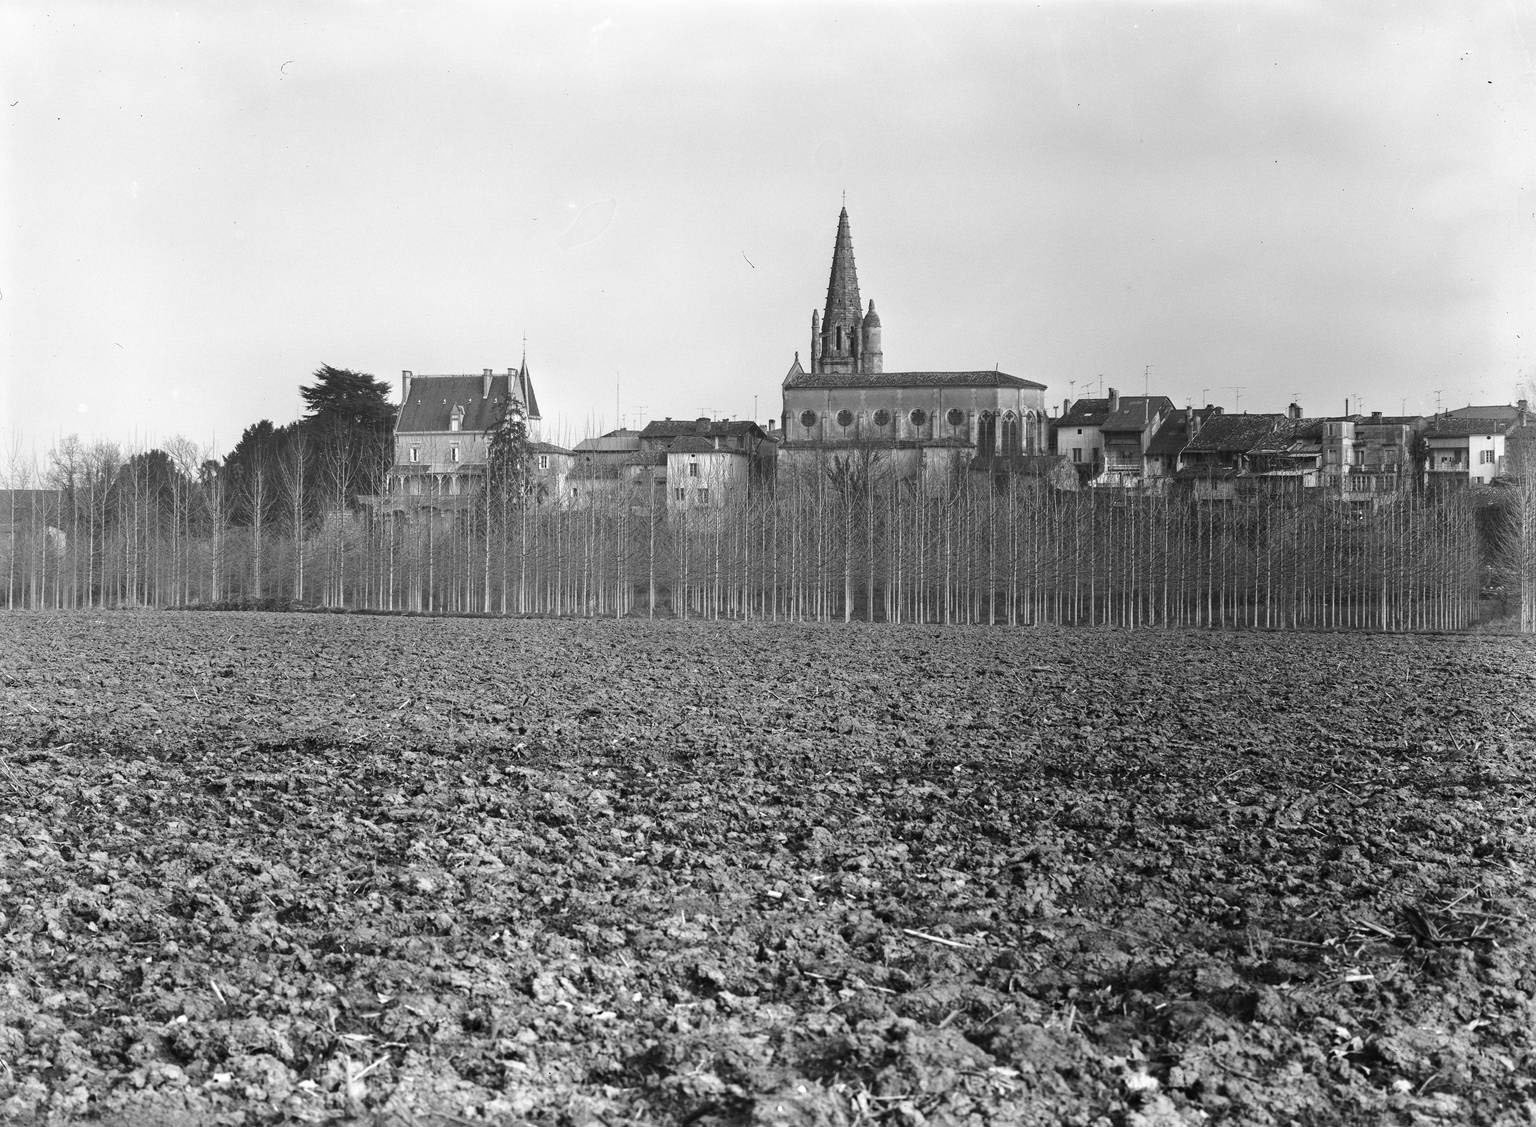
(283, 519)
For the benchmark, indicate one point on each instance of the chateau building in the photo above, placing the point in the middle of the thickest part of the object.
(922, 423)
(442, 434)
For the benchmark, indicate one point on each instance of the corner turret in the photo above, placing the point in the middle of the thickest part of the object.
(869, 350)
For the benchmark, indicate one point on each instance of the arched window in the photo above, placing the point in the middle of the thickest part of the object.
(986, 433)
(1010, 433)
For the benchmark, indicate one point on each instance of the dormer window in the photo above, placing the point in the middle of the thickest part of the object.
(456, 419)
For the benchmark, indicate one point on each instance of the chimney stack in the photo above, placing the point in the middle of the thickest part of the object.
(1194, 423)
(1114, 400)
(1294, 410)
(405, 386)
(485, 383)
(1066, 406)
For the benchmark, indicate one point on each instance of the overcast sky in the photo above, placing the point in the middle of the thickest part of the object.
(203, 203)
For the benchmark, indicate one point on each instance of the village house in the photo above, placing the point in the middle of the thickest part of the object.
(708, 462)
(683, 462)
(610, 467)
(918, 424)
(1467, 449)
(1220, 453)
(1167, 445)
(1384, 455)
(1109, 439)
(1290, 458)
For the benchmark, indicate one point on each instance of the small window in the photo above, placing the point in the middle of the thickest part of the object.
(681, 493)
(543, 461)
(453, 453)
(415, 453)
(882, 418)
(955, 416)
(1485, 457)
(1077, 453)
(703, 494)
(693, 467)
(807, 419)
(845, 418)
(918, 416)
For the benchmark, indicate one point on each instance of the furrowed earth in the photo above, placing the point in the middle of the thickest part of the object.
(270, 868)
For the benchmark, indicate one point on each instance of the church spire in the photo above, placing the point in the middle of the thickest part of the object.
(841, 342)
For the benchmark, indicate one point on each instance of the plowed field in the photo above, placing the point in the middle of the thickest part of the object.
(272, 868)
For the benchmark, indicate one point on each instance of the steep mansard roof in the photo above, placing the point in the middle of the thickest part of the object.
(990, 378)
(429, 407)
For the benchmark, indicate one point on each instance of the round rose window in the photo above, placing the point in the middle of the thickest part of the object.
(918, 416)
(955, 416)
(845, 418)
(882, 418)
(807, 418)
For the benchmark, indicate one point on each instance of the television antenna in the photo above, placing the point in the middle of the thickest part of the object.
(1237, 391)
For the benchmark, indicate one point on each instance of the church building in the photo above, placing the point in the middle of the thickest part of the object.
(922, 423)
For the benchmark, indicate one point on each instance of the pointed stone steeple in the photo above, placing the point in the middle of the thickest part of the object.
(840, 342)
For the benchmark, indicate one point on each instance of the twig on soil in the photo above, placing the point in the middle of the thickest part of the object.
(1377, 928)
(217, 993)
(371, 1067)
(915, 934)
(858, 983)
(1225, 1067)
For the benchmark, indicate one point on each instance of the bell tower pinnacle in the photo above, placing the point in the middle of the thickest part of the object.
(839, 343)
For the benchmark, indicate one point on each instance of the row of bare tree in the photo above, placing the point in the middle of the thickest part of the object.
(839, 543)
